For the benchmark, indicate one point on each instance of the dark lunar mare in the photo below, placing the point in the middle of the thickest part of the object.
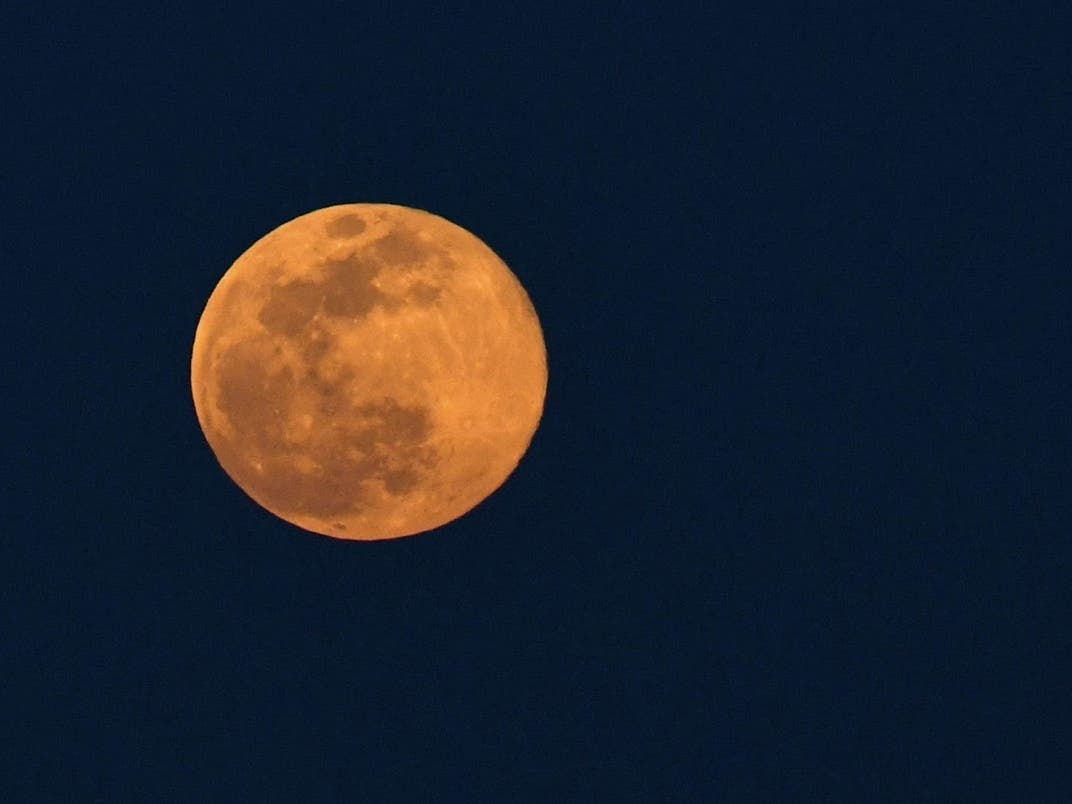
(382, 440)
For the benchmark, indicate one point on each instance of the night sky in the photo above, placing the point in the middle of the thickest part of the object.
(795, 524)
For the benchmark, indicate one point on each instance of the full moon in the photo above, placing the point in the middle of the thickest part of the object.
(369, 371)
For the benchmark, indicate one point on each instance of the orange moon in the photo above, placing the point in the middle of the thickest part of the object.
(369, 371)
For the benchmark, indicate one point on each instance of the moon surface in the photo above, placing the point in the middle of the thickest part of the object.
(369, 371)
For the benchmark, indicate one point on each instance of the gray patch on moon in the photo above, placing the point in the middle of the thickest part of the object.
(351, 444)
(316, 344)
(249, 394)
(291, 307)
(402, 425)
(349, 290)
(345, 226)
(346, 291)
(401, 246)
(424, 294)
(396, 442)
(400, 481)
(330, 403)
(355, 449)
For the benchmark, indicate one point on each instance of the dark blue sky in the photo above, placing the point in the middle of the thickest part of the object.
(794, 526)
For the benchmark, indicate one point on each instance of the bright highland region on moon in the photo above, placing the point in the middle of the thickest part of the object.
(369, 371)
